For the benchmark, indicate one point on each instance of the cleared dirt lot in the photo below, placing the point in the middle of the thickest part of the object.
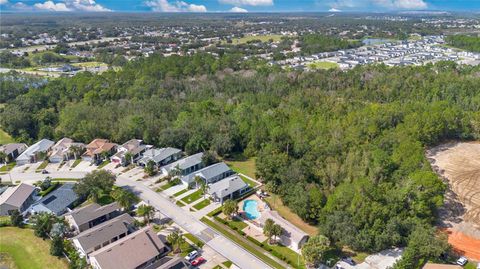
(459, 165)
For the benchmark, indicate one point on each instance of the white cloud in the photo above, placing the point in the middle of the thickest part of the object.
(402, 4)
(177, 6)
(71, 5)
(334, 10)
(247, 2)
(51, 6)
(2, 2)
(238, 10)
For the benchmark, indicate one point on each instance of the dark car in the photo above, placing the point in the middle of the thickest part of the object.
(44, 171)
(349, 261)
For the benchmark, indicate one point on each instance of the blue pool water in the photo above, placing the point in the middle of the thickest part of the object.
(250, 208)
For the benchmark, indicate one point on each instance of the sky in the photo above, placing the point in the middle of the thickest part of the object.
(239, 6)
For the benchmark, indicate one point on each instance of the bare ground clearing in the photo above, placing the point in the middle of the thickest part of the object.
(458, 163)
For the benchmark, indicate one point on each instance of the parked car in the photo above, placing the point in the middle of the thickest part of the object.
(192, 255)
(462, 261)
(44, 171)
(198, 261)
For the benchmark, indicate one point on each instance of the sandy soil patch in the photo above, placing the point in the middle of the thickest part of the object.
(458, 163)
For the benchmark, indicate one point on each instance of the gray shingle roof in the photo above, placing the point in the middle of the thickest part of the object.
(16, 196)
(92, 211)
(158, 155)
(41, 146)
(227, 186)
(130, 251)
(208, 172)
(104, 232)
(57, 201)
(185, 162)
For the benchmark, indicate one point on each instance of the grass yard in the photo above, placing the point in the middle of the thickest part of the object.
(262, 38)
(89, 64)
(75, 163)
(28, 251)
(103, 164)
(42, 166)
(5, 138)
(276, 204)
(168, 185)
(194, 240)
(323, 65)
(242, 243)
(250, 183)
(192, 197)
(293, 257)
(240, 225)
(180, 204)
(8, 167)
(202, 204)
(241, 164)
(180, 192)
(65, 179)
(227, 264)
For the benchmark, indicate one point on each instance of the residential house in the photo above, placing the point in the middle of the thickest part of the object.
(96, 150)
(209, 174)
(133, 147)
(137, 250)
(13, 150)
(58, 201)
(168, 262)
(184, 166)
(160, 157)
(61, 150)
(103, 234)
(91, 215)
(34, 153)
(18, 198)
(228, 188)
(291, 235)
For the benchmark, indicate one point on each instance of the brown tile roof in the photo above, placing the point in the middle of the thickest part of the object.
(130, 251)
(98, 146)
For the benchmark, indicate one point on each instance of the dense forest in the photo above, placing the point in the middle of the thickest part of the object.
(344, 149)
(466, 42)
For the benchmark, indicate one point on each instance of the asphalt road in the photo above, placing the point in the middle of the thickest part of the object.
(162, 203)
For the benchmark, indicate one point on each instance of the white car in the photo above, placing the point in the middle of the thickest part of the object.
(462, 261)
(192, 255)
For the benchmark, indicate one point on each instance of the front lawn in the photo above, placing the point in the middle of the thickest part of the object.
(202, 204)
(250, 183)
(75, 163)
(194, 240)
(28, 251)
(238, 224)
(180, 192)
(192, 197)
(42, 166)
(103, 164)
(8, 167)
(168, 185)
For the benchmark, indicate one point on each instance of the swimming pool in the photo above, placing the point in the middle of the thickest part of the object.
(250, 208)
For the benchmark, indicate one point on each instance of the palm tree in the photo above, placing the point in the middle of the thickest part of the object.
(198, 180)
(205, 187)
(268, 229)
(229, 208)
(76, 151)
(124, 198)
(146, 211)
(277, 231)
(176, 240)
(94, 194)
(128, 158)
(175, 171)
(3, 156)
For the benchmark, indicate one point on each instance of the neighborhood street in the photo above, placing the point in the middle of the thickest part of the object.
(161, 202)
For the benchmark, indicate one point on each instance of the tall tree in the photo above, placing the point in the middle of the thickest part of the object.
(314, 249)
(146, 211)
(94, 184)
